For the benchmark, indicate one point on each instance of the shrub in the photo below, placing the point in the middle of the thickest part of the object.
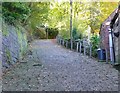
(75, 34)
(95, 40)
(52, 32)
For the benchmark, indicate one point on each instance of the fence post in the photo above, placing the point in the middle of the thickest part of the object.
(77, 46)
(90, 50)
(63, 42)
(71, 44)
(57, 39)
(66, 44)
(60, 41)
(84, 50)
(80, 46)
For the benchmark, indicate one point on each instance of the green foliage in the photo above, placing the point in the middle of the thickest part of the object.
(95, 40)
(64, 33)
(8, 55)
(39, 33)
(14, 11)
(22, 40)
(80, 35)
(57, 15)
(42, 32)
(39, 14)
(75, 34)
(52, 32)
(4, 30)
(19, 34)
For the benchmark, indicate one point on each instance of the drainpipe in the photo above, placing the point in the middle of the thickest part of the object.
(111, 46)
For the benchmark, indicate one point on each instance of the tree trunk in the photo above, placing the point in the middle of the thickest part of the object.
(71, 23)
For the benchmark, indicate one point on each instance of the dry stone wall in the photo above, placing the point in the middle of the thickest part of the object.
(14, 44)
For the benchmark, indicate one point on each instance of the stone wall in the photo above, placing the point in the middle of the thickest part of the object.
(115, 41)
(105, 36)
(119, 41)
(14, 44)
(104, 33)
(0, 54)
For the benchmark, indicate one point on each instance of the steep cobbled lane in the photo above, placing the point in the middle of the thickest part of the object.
(51, 67)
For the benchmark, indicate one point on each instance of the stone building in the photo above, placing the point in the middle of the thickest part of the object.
(119, 40)
(104, 35)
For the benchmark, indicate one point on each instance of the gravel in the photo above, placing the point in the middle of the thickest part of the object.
(52, 67)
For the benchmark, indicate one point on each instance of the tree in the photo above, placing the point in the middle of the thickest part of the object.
(14, 12)
(57, 15)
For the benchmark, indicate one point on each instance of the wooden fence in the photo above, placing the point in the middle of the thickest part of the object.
(82, 46)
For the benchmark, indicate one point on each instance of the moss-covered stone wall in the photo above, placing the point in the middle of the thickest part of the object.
(14, 44)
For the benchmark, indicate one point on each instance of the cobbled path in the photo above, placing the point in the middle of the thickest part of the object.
(51, 67)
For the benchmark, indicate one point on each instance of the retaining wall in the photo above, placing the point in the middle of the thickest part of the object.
(14, 44)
